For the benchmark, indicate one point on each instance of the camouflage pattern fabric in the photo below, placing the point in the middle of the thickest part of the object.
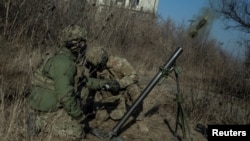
(61, 69)
(96, 55)
(53, 96)
(122, 71)
(72, 33)
(59, 124)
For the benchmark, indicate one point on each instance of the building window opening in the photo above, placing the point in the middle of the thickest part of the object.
(134, 3)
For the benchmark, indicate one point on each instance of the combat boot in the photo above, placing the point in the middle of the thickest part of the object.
(119, 111)
(32, 128)
(117, 114)
(101, 116)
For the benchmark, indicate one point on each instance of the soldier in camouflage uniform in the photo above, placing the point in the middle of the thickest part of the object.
(106, 66)
(55, 107)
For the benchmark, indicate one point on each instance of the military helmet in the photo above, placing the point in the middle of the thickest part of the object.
(75, 32)
(96, 56)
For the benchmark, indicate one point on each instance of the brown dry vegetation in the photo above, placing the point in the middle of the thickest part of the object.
(213, 83)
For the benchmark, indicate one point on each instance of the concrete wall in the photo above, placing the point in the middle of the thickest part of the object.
(147, 5)
(139, 5)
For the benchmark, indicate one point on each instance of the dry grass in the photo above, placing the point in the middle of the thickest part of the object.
(214, 89)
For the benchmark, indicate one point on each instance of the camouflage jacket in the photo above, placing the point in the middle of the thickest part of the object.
(121, 70)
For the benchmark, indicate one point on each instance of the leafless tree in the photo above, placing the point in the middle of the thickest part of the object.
(235, 13)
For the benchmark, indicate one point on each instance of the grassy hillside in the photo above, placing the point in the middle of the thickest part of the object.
(213, 83)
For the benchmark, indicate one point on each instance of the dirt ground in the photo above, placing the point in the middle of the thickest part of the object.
(159, 121)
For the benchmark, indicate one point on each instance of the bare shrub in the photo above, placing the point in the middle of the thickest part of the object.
(214, 89)
(40, 21)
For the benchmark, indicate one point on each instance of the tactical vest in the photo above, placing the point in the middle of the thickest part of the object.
(41, 80)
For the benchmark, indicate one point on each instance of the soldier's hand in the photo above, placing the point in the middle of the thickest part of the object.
(112, 86)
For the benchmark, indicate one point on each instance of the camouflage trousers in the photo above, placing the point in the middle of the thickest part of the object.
(59, 124)
(116, 106)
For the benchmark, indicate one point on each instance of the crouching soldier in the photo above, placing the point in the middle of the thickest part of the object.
(104, 66)
(56, 109)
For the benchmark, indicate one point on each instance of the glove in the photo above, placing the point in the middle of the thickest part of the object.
(111, 85)
(97, 84)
